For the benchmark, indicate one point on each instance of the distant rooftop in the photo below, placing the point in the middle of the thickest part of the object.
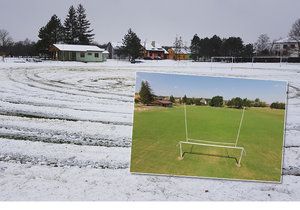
(286, 40)
(183, 50)
(78, 48)
(116, 45)
(154, 46)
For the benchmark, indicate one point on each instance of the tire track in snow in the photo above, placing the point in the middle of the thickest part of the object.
(38, 86)
(39, 115)
(63, 85)
(63, 155)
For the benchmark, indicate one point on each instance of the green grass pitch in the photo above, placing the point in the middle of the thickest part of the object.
(157, 131)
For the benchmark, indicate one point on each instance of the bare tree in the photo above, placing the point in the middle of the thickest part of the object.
(178, 44)
(5, 39)
(295, 34)
(262, 45)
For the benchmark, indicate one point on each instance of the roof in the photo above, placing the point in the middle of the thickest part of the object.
(286, 40)
(116, 45)
(163, 102)
(78, 48)
(154, 46)
(183, 50)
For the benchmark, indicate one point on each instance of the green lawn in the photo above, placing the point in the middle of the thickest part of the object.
(157, 132)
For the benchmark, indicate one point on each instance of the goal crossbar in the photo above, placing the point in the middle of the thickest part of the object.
(211, 142)
(213, 145)
(208, 143)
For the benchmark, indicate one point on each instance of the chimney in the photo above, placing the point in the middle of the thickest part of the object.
(153, 44)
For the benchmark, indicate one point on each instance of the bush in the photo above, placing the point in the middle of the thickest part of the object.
(216, 101)
(277, 105)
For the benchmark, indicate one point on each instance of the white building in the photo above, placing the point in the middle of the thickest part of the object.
(285, 47)
(83, 53)
(115, 50)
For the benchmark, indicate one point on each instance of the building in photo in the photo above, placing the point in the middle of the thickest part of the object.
(82, 53)
(154, 51)
(164, 103)
(115, 50)
(286, 47)
(181, 54)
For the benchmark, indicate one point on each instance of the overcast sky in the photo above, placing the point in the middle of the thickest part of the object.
(159, 20)
(207, 87)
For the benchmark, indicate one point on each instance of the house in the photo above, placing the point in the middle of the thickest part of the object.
(203, 101)
(179, 54)
(83, 53)
(154, 51)
(115, 50)
(164, 103)
(285, 47)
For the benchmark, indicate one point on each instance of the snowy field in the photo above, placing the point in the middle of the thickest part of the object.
(65, 133)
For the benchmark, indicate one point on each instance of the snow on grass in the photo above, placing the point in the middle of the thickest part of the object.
(65, 133)
(75, 183)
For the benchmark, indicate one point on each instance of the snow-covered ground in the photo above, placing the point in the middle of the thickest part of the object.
(65, 133)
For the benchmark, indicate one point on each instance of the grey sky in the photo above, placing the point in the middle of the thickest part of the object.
(159, 20)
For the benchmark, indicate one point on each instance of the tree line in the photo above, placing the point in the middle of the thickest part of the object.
(75, 30)
(215, 46)
(147, 97)
(20, 48)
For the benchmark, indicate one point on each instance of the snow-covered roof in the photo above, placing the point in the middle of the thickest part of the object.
(153, 46)
(105, 52)
(286, 40)
(183, 50)
(116, 45)
(78, 48)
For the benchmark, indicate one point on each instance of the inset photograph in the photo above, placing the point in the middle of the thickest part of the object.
(210, 127)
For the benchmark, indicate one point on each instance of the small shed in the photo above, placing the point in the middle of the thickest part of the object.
(164, 103)
(83, 53)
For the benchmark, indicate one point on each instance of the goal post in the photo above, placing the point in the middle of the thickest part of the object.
(208, 143)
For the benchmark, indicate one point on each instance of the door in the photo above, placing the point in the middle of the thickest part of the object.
(73, 56)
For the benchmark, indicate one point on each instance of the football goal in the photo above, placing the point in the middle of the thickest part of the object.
(208, 143)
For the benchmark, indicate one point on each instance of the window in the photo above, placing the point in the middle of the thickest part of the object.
(96, 55)
(82, 55)
(292, 46)
(90, 53)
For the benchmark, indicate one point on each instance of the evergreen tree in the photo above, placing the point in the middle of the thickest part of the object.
(71, 34)
(248, 51)
(146, 95)
(50, 34)
(132, 45)
(195, 48)
(172, 99)
(205, 47)
(233, 46)
(215, 46)
(184, 99)
(85, 35)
